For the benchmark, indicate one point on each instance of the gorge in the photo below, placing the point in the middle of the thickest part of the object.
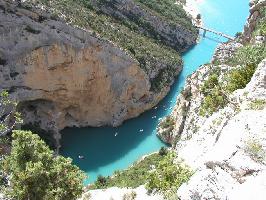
(112, 152)
(133, 94)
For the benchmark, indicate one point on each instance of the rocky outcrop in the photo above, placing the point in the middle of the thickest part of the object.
(254, 18)
(228, 151)
(173, 34)
(64, 76)
(227, 148)
(186, 113)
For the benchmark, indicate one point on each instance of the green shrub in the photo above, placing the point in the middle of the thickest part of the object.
(214, 96)
(132, 177)
(167, 122)
(260, 28)
(130, 196)
(215, 93)
(101, 181)
(210, 84)
(238, 34)
(249, 55)
(9, 118)
(36, 173)
(239, 78)
(168, 176)
(167, 126)
(213, 102)
(257, 104)
(163, 151)
(255, 149)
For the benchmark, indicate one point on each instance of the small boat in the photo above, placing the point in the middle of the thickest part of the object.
(141, 130)
(153, 117)
(81, 157)
(116, 133)
(155, 107)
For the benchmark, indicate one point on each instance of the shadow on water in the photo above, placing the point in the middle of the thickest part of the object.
(102, 146)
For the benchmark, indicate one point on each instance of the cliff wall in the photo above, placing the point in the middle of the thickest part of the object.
(218, 125)
(65, 76)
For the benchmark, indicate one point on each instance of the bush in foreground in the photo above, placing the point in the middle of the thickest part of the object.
(37, 174)
(168, 176)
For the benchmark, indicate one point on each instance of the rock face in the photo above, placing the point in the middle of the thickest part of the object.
(64, 76)
(254, 17)
(227, 149)
(174, 35)
(228, 152)
(186, 113)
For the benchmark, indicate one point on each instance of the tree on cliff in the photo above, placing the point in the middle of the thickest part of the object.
(8, 115)
(36, 174)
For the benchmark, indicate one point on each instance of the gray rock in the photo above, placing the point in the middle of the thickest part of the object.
(64, 76)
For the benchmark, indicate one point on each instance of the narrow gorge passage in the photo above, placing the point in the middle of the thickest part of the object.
(108, 149)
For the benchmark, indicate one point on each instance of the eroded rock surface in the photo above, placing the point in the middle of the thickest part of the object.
(64, 76)
(227, 149)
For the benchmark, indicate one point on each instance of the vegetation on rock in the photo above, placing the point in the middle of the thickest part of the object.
(161, 173)
(260, 29)
(216, 90)
(166, 128)
(9, 117)
(130, 196)
(27, 163)
(214, 97)
(255, 149)
(130, 31)
(168, 176)
(36, 173)
(257, 104)
(133, 177)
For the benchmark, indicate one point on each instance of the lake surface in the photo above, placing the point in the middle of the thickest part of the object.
(103, 151)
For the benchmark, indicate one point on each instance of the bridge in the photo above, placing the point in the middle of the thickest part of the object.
(215, 32)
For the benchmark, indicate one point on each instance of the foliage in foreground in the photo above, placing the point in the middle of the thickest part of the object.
(157, 170)
(168, 176)
(36, 174)
(132, 177)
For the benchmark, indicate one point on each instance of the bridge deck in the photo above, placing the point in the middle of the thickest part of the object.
(216, 32)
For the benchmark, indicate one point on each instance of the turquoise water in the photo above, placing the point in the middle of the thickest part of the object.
(104, 152)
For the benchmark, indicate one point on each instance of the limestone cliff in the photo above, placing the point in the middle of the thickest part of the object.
(221, 137)
(63, 76)
(226, 146)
